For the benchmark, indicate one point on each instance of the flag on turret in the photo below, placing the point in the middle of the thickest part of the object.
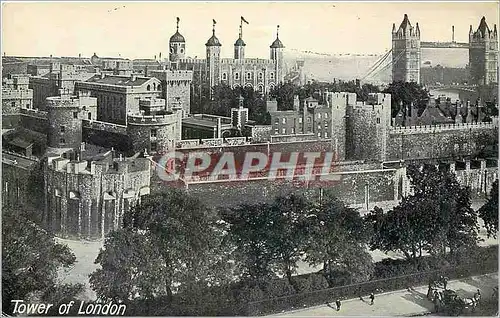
(215, 22)
(243, 19)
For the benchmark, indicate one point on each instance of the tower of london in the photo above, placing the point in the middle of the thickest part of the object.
(239, 71)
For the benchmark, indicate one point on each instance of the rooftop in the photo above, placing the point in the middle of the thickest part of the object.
(119, 80)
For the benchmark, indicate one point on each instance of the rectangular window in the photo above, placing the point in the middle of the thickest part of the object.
(13, 104)
(277, 121)
(300, 120)
(75, 115)
(378, 120)
(283, 131)
(283, 121)
(271, 75)
(236, 76)
(62, 141)
(326, 125)
(249, 75)
(319, 116)
(62, 129)
(326, 134)
(153, 132)
(275, 131)
(326, 115)
(154, 146)
(293, 130)
(308, 119)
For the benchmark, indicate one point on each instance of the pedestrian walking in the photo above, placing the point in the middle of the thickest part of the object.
(429, 291)
(372, 298)
(477, 296)
(338, 303)
(445, 282)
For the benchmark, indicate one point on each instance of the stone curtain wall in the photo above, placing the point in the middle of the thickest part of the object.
(352, 189)
(434, 142)
(107, 139)
(34, 120)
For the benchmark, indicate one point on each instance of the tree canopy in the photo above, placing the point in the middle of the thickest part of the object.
(337, 239)
(489, 211)
(170, 242)
(30, 259)
(436, 216)
(284, 93)
(407, 93)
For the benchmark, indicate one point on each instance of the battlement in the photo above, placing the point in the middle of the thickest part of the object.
(443, 127)
(104, 126)
(152, 102)
(192, 61)
(65, 100)
(170, 75)
(17, 93)
(138, 119)
(16, 79)
(94, 167)
(214, 118)
(247, 61)
(34, 113)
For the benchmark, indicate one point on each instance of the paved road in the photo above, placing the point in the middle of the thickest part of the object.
(401, 302)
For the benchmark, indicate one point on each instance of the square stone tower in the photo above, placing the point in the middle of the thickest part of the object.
(406, 52)
(483, 54)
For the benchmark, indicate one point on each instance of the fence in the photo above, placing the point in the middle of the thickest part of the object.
(319, 297)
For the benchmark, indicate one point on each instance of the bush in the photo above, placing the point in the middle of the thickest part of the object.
(276, 288)
(310, 282)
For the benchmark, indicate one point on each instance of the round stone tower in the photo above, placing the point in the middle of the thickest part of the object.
(65, 114)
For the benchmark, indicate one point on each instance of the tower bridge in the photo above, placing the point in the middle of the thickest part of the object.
(406, 57)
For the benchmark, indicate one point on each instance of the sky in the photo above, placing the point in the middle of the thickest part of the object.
(142, 30)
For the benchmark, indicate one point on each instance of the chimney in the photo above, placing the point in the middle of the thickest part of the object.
(133, 77)
(80, 55)
(103, 75)
(453, 33)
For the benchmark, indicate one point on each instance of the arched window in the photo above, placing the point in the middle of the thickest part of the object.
(249, 75)
(261, 76)
(224, 76)
(172, 50)
(148, 87)
(237, 76)
(154, 86)
(159, 87)
(181, 51)
(271, 75)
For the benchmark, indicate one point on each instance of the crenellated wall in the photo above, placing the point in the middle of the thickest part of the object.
(441, 140)
(88, 199)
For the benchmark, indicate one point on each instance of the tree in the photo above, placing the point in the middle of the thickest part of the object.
(268, 238)
(407, 93)
(337, 238)
(284, 93)
(251, 239)
(169, 243)
(489, 211)
(436, 216)
(30, 259)
(288, 231)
